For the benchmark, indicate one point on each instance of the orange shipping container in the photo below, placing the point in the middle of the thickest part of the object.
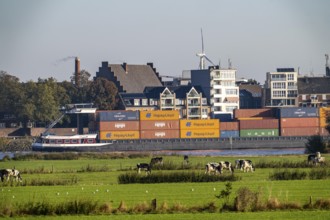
(159, 134)
(199, 124)
(154, 125)
(154, 115)
(324, 132)
(299, 122)
(118, 125)
(259, 124)
(324, 113)
(200, 133)
(229, 126)
(119, 135)
(307, 131)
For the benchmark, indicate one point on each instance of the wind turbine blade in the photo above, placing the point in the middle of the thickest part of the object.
(209, 60)
(202, 41)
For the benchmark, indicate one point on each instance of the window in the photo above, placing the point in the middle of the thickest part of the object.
(231, 91)
(144, 102)
(303, 97)
(204, 101)
(136, 102)
(279, 85)
(279, 93)
(324, 97)
(230, 108)
(290, 76)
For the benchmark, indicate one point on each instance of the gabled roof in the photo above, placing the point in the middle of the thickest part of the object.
(180, 91)
(134, 78)
(255, 90)
(314, 85)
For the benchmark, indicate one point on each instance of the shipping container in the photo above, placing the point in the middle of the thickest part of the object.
(199, 124)
(295, 112)
(155, 115)
(119, 135)
(300, 131)
(228, 134)
(324, 132)
(299, 122)
(258, 132)
(200, 133)
(226, 117)
(249, 113)
(117, 115)
(259, 124)
(154, 125)
(229, 126)
(118, 125)
(159, 134)
(324, 113)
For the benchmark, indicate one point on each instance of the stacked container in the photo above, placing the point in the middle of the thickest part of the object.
(324, 113)
(160, 124)
(199, 128)
(299, 121)
(118, 125)
(229, 129)
(258, 128)
(241, 114)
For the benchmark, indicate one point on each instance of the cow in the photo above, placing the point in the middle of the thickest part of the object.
(319, 160)
(312, 157)
(143, 166)
(156, 160)
(186, 159)
(247, 165)
(212, 167)
(10, 173)
(225, 165)
(239, 164)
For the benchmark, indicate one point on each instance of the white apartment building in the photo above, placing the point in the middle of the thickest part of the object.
(281, 88)
(219, 87)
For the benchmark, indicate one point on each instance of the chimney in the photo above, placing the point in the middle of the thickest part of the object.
(77, 72)
(125, 66)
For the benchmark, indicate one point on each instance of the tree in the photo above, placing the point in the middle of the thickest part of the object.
(84, 78)
(327, 127)
(102, 93)
(315, 144)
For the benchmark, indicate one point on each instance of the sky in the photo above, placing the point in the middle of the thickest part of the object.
(40, 38)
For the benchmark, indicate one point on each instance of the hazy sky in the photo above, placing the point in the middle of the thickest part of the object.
(257, 35)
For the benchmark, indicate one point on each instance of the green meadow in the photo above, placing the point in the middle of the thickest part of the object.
(90, 178)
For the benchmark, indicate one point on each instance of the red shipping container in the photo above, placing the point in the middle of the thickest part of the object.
(229, 126)
(249, 113)
(300, 131)
(259, 124)
(157, 125)
(299, 122)
(159, 134)
(118, 125)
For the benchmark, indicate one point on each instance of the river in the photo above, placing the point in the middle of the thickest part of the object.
(242, 152)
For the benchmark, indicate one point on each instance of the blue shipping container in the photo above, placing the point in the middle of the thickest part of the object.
(295, 112)
(118, 116)
(223, 117)
(228, 134)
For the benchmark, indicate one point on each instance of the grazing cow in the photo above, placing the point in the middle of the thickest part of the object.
(225, 165)
(144, 166)
(10, 173)
(156, 160)
(319, 160)
(186, 159)
(247, 165)
(212, 167)
(312, 157)
(239, 164)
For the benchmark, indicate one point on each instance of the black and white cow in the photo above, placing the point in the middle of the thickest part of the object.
(212, 167)
(225, 165)
(9, 174)
(143, 166)
(247, 165)
(313, 157)
(239, 164)
(186, 159)
(156, 161)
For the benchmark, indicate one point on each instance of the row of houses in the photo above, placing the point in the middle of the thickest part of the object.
(214, 92)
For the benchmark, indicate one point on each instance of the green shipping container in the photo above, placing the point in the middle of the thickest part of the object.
(258, 133)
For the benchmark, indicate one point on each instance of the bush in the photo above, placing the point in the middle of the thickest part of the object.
(319, 173)
(288, 175)
(315, 144)
(246, 200)
(173, 178)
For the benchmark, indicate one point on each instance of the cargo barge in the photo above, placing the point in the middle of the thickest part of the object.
(164, 130)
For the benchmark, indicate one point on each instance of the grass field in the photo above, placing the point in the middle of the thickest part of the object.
(96, 180)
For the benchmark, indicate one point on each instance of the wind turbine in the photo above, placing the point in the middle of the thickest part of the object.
(202, 56)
